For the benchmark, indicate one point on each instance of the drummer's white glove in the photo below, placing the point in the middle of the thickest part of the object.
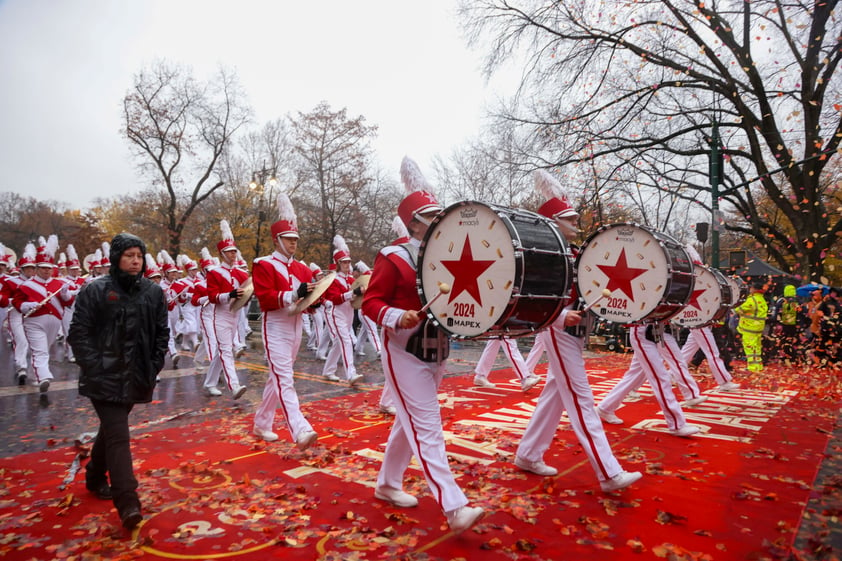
(27, 307)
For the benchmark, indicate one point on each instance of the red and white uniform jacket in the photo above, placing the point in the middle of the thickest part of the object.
(276, 281)
(199, 296)
(222, 280)
(392, 288)
(35, 290)
(7, 288)
(339, 290)
(182, 289)
(74, 285)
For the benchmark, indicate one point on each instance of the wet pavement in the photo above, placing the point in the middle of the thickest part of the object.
(31, 421)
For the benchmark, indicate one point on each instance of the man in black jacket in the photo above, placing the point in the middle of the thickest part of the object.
(119, 335)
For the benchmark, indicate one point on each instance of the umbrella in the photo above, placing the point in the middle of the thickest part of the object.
(806, 290)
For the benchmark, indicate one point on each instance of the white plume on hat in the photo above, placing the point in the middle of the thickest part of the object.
(361, 267)
(412, 178)
(399, 228)
(181, 260)
(548, 186)
(29, 251)
(98, 255)
(164, 258)
(225, 230)
(285, 209)
(2, 250)
(205, 255)
(150, 262)
(314, 267)
(340, 245)
(52, 245)
(41, 242)
(62, 258)
(71, 252)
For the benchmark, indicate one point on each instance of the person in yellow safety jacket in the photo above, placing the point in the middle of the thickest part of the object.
(753, 314)
(787, 310)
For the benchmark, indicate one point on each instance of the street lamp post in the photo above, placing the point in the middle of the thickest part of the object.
(258, 185)
(715, 170)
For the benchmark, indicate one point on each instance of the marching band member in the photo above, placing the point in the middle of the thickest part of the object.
(510, 350)
(340, 316)
(169, 270)
(224, 285)
(207, 348)
(317, 320)
(368, 329)
(280, 281)
(567, 387)
(702, 338)
(76, 281)
(5, 287)
(393, 302)
(26, 266)
(42, 300)
(243, 328)
(188, 324)
(647, 341)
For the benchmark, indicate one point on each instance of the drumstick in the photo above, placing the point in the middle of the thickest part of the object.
(605, 294)
(444, 288)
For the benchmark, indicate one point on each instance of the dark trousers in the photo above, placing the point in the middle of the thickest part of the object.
(112, 455)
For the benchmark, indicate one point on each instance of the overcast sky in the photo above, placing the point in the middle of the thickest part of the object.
(65, 66)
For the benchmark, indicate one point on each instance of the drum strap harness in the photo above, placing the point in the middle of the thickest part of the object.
(428, 343)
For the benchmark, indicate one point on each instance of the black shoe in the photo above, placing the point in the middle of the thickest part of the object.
(131, 518)
(101, 490)
(21, 379)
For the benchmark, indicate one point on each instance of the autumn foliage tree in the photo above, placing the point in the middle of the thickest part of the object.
(633, 89)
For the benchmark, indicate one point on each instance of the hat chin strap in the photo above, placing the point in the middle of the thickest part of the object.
(422, 220)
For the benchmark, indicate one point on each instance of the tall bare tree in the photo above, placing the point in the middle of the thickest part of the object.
(635, 93)
(179, 128)
(334, 176)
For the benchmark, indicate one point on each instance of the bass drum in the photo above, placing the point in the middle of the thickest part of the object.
(710, 301)
(739, 290)
(648, 274)
(509, 271)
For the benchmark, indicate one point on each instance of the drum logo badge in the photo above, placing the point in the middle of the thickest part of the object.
(466, 272)
(620, 277)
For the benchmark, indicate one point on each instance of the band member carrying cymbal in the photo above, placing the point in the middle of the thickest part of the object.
(567, 387)
(224, 286)
(340, 316)
(280, 281)
(412, 372)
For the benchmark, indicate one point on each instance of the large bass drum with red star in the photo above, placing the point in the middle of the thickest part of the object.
(710, 301)
(647, 274)
(509, 271)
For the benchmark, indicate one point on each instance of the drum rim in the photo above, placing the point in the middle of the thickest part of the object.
(519, 265)
(663, 310)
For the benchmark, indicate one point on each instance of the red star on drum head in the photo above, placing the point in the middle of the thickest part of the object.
(620, 275)
(465, 273)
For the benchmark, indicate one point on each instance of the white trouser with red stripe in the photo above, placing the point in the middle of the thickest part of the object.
(678, 367)
(368, 332)
(19, 342)
(41, 332)
(224, 330)
(489, 354)
(702, 338)
(567, 389)
(417, 429)
(647, 364)
(534, 355)
(340, 321)
(207, 348)
(325, 336)
(282, 338)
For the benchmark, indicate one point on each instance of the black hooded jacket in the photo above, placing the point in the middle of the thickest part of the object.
(119, 332)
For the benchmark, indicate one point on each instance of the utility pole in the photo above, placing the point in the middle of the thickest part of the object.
(715, 170)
